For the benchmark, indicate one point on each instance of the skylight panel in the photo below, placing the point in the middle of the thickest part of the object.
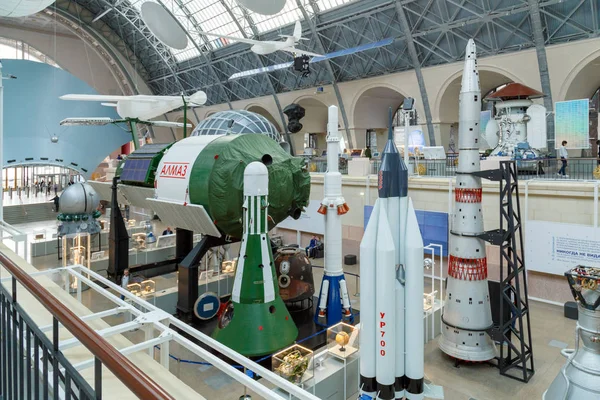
(329, 4)
(288, 15)
(213, 17)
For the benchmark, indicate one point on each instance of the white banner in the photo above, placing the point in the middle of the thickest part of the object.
(554, 248)
(310, 221)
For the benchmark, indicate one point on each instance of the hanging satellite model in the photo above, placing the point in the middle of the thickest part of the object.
(164, 26)
(328, 56)
(20, 8)
(137, 109)
(264, 47)
(264, 7)
(467, 312)
(519, 126)
(578, 378)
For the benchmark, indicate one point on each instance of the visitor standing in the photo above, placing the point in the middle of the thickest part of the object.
(564, 155)
(125, 281)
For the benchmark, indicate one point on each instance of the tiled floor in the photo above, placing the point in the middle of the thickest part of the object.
(550, 331)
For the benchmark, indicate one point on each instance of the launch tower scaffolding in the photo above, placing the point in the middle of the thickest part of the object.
(516, 351)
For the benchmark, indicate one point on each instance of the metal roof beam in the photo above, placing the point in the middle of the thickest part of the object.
(261, 64)
(336, 89)
(540, 49)
(412, 50)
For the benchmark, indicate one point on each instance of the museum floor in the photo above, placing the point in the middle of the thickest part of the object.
(551, 332)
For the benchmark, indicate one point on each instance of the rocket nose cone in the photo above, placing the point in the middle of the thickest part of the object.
(471, 50)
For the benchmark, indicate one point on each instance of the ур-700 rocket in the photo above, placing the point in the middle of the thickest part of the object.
(467, 311)
(391, 275)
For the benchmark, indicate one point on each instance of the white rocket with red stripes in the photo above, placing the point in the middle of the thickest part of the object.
(467, 313)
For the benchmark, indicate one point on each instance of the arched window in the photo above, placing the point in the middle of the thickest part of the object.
(16, 50)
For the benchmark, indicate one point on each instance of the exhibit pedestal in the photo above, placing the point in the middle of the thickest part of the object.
(360, 166)
(334, 379)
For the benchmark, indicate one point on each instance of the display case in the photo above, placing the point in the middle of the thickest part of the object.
(342, 340)
(135, 289)
(148, 287)
(295, 364)
(228, 267)
(429, 300)
(76, 250)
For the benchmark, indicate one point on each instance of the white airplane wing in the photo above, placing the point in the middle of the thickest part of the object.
(237, 39)
(165, 124)
(88, 121)
(103, 98)
(298, 51)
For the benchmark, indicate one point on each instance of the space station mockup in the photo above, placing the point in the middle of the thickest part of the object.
(334, 303)
(256, 321)
(391, 274)
(467, 311)
(197, 182)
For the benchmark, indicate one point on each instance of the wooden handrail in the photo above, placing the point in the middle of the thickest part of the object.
(131, 376)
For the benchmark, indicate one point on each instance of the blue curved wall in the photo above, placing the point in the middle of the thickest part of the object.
(32, 112)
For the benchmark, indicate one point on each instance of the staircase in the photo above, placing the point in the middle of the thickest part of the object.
(25, 213)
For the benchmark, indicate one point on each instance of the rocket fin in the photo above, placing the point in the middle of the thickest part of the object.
(414, 333)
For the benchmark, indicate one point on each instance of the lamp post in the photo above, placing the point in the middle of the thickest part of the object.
(407, 108)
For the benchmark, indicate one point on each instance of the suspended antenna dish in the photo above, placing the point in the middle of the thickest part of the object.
(19, 8)
(164, 26)
(264, 7)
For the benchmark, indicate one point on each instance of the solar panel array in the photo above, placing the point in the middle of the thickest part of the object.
(136, 170)
(151, 148)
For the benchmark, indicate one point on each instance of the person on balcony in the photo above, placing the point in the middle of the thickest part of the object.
(562, 153)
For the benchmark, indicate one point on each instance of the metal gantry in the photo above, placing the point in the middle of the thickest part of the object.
(425, 33)
(516, 358)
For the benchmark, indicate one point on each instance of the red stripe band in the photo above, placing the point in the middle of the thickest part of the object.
(467, 195)
(467, 269)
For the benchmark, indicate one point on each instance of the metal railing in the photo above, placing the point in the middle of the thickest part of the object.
(581, 169)
(33, 367)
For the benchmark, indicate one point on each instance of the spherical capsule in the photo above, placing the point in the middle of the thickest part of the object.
(79, 198)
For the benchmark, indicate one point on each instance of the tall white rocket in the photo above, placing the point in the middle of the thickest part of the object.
(467, 312)
(334, 303)
(391, 275)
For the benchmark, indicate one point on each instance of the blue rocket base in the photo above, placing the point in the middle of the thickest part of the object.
(334, 311)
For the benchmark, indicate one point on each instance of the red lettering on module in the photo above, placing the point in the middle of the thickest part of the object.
(174, 170)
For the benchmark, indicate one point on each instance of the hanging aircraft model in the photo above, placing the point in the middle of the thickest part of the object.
(143, 107)
(328, 56)
(138, 109)
(270, 46)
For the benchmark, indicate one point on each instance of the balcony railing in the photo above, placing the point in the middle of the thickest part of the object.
(31, 364)
(541, 168)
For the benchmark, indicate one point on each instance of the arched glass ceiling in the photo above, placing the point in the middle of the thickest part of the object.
(226, 17)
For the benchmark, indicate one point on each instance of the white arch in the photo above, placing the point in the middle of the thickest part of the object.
(458, 73)
(375, 85)
(585, 62)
